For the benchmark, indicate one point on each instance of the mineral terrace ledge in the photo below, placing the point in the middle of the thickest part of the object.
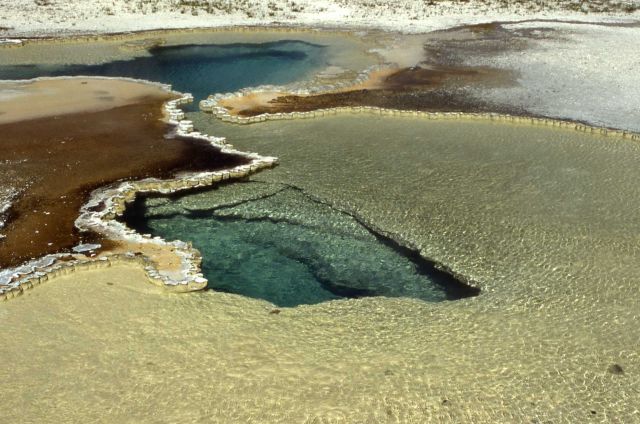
(212, 105)
(111, 202)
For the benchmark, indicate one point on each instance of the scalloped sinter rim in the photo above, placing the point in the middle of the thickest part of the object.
(14, 281)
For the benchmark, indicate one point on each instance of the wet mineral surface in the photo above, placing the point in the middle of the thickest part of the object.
(544, 220)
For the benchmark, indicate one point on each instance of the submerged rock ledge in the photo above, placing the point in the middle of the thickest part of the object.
(107, 203)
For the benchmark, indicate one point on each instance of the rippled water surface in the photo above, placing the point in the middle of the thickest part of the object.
(509, 205)
(545, 219)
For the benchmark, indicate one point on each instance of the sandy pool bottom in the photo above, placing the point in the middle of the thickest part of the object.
(104, 346)
(544, 219)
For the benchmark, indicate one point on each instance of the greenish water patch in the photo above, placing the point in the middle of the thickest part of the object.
(274, 242)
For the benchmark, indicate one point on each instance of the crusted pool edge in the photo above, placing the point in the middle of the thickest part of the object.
(113, 200)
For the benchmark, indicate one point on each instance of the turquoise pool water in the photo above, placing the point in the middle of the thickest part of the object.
(276, 243)
(200, 69)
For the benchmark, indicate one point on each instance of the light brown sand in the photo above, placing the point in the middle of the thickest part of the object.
(428, 88)
(250, 101)
(21, 101)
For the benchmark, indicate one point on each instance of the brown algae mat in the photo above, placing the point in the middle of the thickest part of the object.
(54, 162)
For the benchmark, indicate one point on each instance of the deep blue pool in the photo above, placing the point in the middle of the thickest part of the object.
(200, 69)
(290, 250)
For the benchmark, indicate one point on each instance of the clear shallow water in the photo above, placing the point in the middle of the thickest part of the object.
(527, 211)
(200, 69)
(278, 244)
(546, 219)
